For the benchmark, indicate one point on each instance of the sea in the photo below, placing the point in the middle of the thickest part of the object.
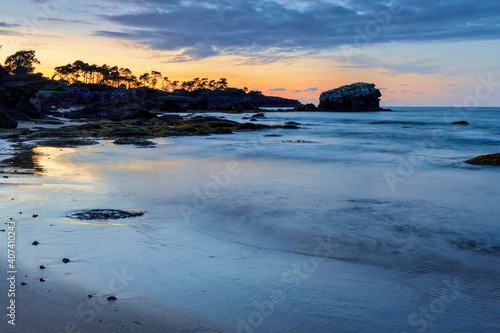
(353, 222)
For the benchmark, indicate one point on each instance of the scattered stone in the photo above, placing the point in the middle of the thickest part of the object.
(491, 159)
(35, 216)
(90, 296)
(104, 214)
(273, 135)
(460, 123)
(23, 283)
(134, 141)
(3, 230)
(288, 126)
(35, 243)
(42, 280)
(65, 143)
(42, 267)
(258, 115)
(66, 260)
(5, 176)
(245, 118)
(292, 123)
(111, 298)
(253, 119)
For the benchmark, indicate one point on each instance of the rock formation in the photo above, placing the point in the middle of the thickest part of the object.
(355, 97)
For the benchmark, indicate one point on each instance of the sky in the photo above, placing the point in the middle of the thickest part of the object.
(419, 53)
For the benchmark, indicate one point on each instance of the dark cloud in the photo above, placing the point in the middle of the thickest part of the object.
(311, 89)
(277, 89)
(8, 25)
(207, 28)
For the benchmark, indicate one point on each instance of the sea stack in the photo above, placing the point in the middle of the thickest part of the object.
(355, 97)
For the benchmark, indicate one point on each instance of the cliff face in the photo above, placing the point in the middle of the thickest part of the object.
(3, 72)
(15, 94)
(355, 97)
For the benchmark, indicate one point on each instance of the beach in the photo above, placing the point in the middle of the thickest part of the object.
(353, 221)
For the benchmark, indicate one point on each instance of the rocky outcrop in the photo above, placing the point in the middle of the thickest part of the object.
(6, 121)
(308, 107)
(3, 72)
(355, 97)
(491, 159)
(16, 92)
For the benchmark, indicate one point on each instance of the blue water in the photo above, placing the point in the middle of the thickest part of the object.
(356, 222)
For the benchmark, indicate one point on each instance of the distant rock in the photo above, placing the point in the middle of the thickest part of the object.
(460, 123)
(243, 106)
(355, 97)
(258, 115)
(491, 159)
(104, 214)
(171, 106)
(308, 107)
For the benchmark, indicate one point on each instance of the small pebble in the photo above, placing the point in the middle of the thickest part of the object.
(42, 280)
(5, 176)
(111, 298)
(42, 267)
(23, 283)
(90, 296)
(35, 216)
(35, 243)
(66, 260)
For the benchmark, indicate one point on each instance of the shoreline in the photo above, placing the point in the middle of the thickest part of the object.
(61, 302)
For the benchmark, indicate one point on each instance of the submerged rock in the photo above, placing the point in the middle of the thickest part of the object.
(460, 123)
(64, 143)
(134, 141)
(491, 159)
(355, 97)
(104, 214)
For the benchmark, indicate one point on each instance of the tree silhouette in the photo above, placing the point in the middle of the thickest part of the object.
(22, 62)
(154, 78)
(144, 78)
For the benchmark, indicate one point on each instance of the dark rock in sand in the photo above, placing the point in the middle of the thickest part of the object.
(16, 92)
(355, 97)
(491, 159)
(66, 260)
(104, 214)
(111, 298)
(35, 243)
(460, 123)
